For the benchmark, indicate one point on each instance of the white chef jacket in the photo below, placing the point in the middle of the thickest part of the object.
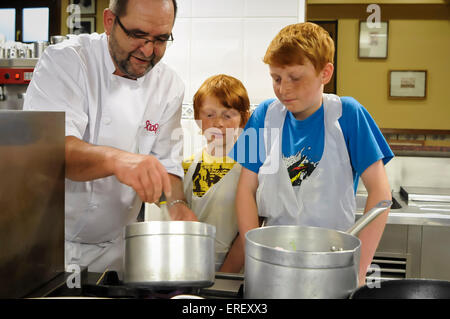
(141, 116)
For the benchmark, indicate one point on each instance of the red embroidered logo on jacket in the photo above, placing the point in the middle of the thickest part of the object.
(151, 127)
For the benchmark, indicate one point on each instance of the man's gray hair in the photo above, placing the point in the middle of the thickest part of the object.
(119, 7)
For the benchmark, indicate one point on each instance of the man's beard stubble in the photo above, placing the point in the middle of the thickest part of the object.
(124, 64)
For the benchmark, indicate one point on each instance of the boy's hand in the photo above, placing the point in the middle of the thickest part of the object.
(180, 211)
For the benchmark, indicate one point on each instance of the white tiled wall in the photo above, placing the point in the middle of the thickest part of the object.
(217, 46)
(231, 37)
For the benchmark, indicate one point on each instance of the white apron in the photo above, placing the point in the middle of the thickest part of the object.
(216, 207)
(98, 257)
(119, 201)
(324, 199)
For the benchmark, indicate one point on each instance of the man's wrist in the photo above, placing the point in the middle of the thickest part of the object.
(111, 158)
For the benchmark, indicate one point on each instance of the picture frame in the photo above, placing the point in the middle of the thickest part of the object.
(373, 41)
(87, 26)
(86, 6)
(408, 84)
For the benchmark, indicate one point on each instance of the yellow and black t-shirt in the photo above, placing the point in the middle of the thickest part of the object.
(208, 172)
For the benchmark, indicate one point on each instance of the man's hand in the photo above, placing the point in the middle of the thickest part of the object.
(144, 173)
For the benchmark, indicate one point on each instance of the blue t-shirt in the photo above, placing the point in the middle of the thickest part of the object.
(303, 141)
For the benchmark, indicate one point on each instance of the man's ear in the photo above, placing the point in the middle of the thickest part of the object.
(108, 20)
(327, 73)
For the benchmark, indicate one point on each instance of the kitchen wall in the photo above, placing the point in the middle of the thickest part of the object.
(418, 40)
(231, 37)
(226, 36)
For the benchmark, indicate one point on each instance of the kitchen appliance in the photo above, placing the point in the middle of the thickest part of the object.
(31, 200)
(15, 75)
(304, 262)
(405, 289)
(169, 254)
(425, 194)
(17, 63)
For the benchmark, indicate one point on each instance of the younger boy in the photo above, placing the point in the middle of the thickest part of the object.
(307, 172)
(221, 108)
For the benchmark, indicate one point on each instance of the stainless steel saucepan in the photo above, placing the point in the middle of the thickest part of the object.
(304, 262)
(164, 254)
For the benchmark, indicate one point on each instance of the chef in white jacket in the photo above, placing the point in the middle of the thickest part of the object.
(121, 106)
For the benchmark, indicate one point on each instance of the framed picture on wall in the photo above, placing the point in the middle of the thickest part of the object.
(407, 84)
(86, 6)
(373, 40)
(87, 25)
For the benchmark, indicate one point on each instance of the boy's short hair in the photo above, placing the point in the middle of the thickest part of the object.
(298, 41)
(228, 90)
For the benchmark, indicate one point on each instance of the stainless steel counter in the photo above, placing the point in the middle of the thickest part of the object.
(414, 213)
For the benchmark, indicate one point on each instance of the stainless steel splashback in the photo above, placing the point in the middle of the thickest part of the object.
(31, 200)
(416, 171)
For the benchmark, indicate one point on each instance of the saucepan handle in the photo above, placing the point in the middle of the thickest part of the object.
(369, 216)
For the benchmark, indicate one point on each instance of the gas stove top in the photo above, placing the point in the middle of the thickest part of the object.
(108, 285)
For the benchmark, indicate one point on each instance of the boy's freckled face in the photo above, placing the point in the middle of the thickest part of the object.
(218, 122)
(298, 87)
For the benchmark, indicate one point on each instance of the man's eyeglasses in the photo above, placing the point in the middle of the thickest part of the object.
(159, 41)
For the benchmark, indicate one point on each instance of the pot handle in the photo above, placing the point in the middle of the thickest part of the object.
(369, 216)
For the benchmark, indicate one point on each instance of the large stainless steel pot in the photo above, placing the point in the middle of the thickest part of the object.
(304, 262)
(165, 254)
